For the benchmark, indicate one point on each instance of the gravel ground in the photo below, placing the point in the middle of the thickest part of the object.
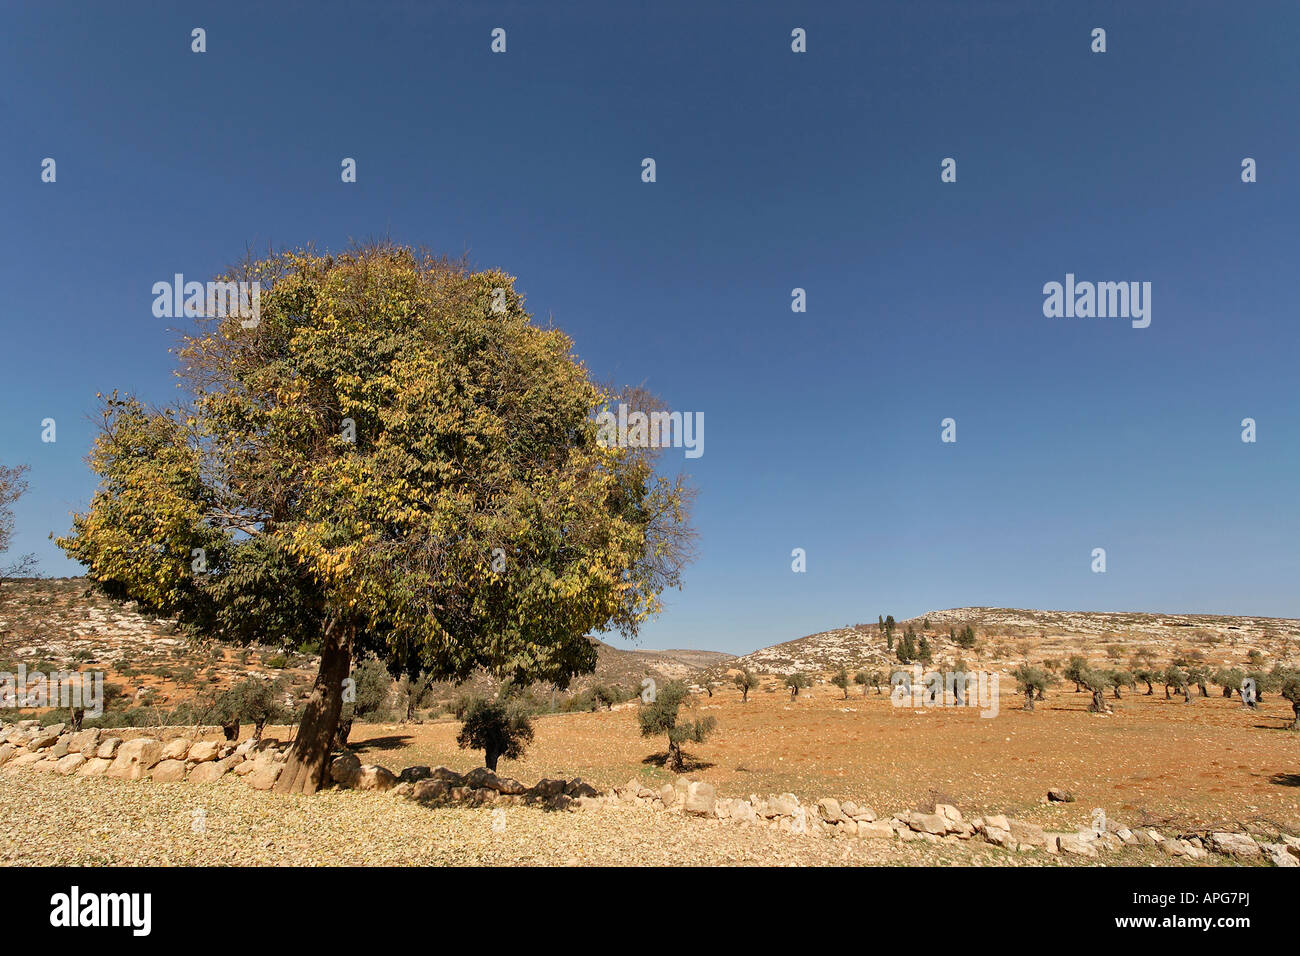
(52, 820)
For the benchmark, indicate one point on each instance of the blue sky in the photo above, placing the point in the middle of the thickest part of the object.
(775, 170)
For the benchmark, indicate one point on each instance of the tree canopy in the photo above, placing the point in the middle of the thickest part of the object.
(394, 459)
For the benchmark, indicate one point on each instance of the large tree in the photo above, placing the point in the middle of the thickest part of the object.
(393, 460)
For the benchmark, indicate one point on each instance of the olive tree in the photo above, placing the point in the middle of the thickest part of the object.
(1176, 678)
(1030, 681)
(796, 682)
(1291, 691)
(1230, 679)
(391, 459)
(1097, 682)
(498, 726)
(253, 700)
(1075, 668)
(841, 680)
(745, 681)
(661, 716)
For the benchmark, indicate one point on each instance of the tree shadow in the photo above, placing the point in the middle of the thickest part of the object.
(1286, 779)
(392, 742)
(689, 763)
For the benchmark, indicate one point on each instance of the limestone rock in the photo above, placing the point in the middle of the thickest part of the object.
(264, 773)
(169, 771)
(136, 758)
(375, 777)
(203, 751)
(70, 763)
(85, 742)
(1030, 833)
(547, 788)
(176, 749)
(429, 789)
(1234, 844)
(345, 769)
(577, 787)
(95, 767)
(212, 770)
(47, 737)
(875, 831)
(700, 798)
(829, 809)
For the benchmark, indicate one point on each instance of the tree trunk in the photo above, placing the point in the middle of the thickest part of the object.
(1150, 690)
(1098, 705)
(490, 757)
(674, 757)
(1295, 709)
(341, 734)
(1187, 696)
(1227, 691)
(1117, 693)
(231, 730)
(258, 728)
(1205, 691)
(305, 771)
(744, 695)
(78, 715)
(1029, 699)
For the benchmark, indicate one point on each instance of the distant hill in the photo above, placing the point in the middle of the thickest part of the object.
(1006, 636)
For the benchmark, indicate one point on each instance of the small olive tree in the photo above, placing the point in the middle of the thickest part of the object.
(1074, 671)
(1291, 691)
(1030, 680)
(661, 716)
(796, 682)
(1176, 678)
(1229, 678)
(497, 726)
(1097, 682)
(254, 702)
(841, 680)
(745, 681)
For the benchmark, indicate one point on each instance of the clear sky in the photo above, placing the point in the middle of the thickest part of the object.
(775, 170)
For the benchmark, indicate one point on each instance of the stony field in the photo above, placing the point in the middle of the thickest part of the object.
(53, 820)
(1153, 762)
(1166, 764)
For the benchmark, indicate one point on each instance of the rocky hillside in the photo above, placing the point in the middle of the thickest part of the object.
(1010, 635)
(851, 647)
(53, 624)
